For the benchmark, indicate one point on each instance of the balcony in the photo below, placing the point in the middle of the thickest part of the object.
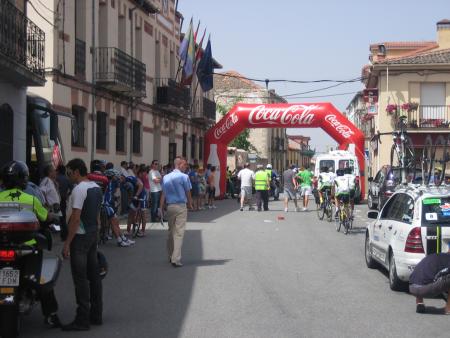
(80, 59)
(204, 110)
(209, 109)
(307, 152)
(170, 93)
(22, 48)
(429, 117)
(117, 71)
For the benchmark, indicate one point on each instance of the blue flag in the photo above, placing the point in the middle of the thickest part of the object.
(205, 69)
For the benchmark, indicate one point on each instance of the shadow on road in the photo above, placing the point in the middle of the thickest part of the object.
(144, 296)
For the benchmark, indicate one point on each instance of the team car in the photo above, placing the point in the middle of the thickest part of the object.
(413, 223)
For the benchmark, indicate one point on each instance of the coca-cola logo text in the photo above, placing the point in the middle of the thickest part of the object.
(294, 115)
(229, 122)
(342, 129)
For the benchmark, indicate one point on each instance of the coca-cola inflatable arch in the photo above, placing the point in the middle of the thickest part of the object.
(285, 115)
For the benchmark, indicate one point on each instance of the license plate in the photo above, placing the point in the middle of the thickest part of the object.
(9, 277)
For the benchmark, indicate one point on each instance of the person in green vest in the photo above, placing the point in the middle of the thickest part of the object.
(262, 188)
(305, 176)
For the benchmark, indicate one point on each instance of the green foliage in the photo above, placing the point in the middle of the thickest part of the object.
(241, 141)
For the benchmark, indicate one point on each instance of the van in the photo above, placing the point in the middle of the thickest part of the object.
(339, 159)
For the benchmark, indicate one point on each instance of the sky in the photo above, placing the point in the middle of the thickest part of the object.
(309, 40)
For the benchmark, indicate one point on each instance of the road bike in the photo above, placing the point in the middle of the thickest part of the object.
(325, 207)
(105, 231)
(138, 219)
(345, 218)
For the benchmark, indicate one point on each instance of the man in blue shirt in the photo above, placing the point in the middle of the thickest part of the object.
(176, 192)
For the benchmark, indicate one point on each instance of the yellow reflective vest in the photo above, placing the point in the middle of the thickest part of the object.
(269, 175)
(261, 180)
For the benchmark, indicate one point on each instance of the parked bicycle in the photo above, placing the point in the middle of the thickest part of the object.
(138, 220)
(105, 231)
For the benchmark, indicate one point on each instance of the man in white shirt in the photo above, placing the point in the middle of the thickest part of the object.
(246, 176)
(154, 178)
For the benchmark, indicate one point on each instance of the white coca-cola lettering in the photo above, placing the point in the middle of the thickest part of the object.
(341, 128)
(294, 115)
(229, 122)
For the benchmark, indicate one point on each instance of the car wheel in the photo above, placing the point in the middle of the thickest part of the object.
(370, 201)
(370, 262)
(395, 283)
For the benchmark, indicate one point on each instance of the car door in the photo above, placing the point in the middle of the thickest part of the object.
(400, 220)
(379, 244)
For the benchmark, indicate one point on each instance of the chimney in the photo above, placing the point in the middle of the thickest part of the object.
(443, 34)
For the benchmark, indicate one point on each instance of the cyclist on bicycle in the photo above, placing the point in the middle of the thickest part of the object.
(349, 173)
(138, 202)
(109, 205)
(341, 189)
(325, 181)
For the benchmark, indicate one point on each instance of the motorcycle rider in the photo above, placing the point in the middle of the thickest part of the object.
(15, 177)
(272, 176)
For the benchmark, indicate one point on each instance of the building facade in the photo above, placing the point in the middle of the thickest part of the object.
(113, 65)
(22, 48)
(271, 143)
(412, 80)
(300, 152)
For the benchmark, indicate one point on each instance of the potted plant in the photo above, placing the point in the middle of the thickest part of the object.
(391, 109)
(410, 106)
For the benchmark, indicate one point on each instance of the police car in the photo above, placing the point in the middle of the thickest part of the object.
(413, 223)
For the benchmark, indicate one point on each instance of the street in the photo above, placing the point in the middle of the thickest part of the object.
(248, 274)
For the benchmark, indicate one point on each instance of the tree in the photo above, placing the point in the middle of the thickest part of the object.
(241, 141)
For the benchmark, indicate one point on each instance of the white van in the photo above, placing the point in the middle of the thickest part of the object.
(339, 159)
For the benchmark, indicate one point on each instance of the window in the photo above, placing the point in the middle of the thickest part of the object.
(326, 163)
(399, 208)
(184, 146)
(193, 146)
(102, 130)
(200, 148)
(120, 133)
(137, 137)
(78, 125)
(432, 101)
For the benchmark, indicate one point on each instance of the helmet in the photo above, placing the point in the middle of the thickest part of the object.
(96, 165)
(15, 174)
(110, 173)
(269, 166)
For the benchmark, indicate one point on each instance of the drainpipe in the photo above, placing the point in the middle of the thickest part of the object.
(94, 113)
(130, 16)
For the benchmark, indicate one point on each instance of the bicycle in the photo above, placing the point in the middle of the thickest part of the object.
(326, 207)
(105, 231)
(138, 219)
(344, 214)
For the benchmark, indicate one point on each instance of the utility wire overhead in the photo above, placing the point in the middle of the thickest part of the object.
(38, 13)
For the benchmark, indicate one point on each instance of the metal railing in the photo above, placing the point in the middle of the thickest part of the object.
(118, 71)
(21, 40)
(209, 109)
(80, 58)
(429, 116)
(169, 92)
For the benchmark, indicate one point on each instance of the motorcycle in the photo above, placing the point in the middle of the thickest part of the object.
(24, 272)
(275, 187)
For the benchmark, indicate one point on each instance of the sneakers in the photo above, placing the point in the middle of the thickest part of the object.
(241, 209)
(251, 209)
(131, 242)
(140, 233)
(305, 209)
(52, 321)
(214, 206)
(420, 308)
(285, 209)
(123, 244)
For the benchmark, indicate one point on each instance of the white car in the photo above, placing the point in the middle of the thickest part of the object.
(413, 223)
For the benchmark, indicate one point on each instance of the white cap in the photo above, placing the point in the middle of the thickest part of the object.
(269, 166)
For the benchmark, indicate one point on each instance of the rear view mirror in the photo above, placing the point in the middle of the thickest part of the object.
(372, 214)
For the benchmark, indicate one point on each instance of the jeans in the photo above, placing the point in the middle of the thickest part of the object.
(86, 278)
(262, 197)
(155, 196)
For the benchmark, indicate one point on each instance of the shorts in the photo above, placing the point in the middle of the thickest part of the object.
(345, 198)
(211, 192)
(195, 191)
(110, 212)
(290, 194)
(305, 191)
(325, 187)
(434, 289)
(246, 192)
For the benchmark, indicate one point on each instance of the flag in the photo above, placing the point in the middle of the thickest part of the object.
(185, 43)
(205, 69)
(199, 52)
(188, 67)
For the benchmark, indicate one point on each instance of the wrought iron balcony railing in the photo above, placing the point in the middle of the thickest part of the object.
(80, 58)
(429, 116)
(169, 92)
(23, 44)
(204, 109)
(120, 72)
(307, 152)
(209, 109)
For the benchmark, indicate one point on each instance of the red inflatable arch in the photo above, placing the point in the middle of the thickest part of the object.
(285, 115)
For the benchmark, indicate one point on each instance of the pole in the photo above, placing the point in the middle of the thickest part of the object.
(94, 113)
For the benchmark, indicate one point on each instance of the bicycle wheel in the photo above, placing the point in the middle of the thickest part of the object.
(427, 160)
(102, 238)
(440, 158)
(345, 220)
(329, 210)
(136, 223)
(338, 221)
(320, 210)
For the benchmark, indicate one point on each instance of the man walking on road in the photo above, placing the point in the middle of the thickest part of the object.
(305, 176)
(176, 191)
(246, 176)
(261, 184)
(289, 187)
(81, 247)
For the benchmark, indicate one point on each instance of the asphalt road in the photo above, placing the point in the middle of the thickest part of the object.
(248, 274)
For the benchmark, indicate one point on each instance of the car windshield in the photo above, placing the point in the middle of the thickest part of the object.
(436, 210)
